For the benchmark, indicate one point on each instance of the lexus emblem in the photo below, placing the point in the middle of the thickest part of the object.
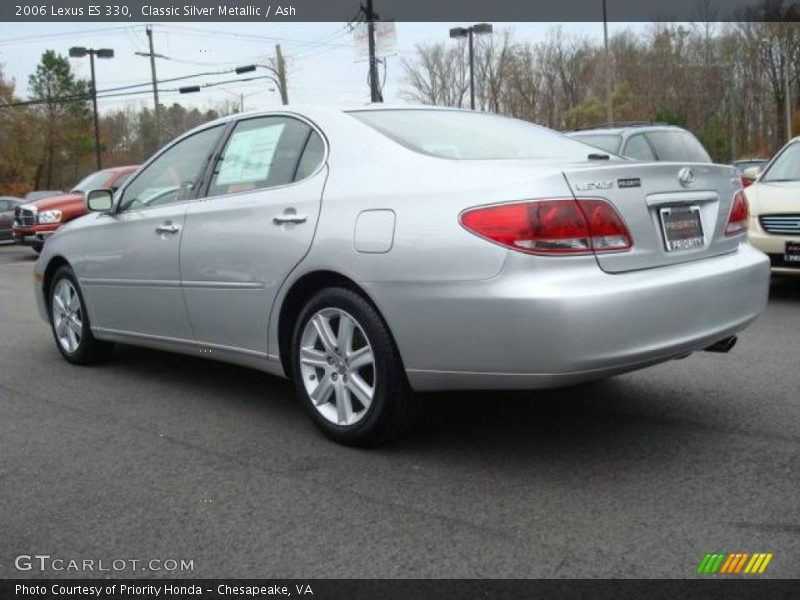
(686, 177)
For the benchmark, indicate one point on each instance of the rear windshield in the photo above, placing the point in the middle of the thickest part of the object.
(470, 135)
(678, 146)
(607, 142)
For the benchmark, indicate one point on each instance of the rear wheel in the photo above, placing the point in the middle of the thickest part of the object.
(347, 370)
(70, 322)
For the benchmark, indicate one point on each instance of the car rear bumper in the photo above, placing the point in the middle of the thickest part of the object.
(534, 327)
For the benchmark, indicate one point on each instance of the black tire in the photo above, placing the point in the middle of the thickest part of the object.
(393, 407)
(89, 350)
(37, 248)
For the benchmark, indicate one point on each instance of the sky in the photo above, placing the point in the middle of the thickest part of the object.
(323, 65)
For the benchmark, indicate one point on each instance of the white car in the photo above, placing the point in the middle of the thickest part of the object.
(775, 210)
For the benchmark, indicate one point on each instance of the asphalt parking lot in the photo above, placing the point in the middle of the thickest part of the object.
(159, 456)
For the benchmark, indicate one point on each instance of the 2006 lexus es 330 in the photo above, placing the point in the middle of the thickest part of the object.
(374, 252)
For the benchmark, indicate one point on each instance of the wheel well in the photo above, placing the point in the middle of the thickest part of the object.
(300, 292)
(50, 270)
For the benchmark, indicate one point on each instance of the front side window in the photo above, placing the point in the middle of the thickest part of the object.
(174, 175)
(470, 135)
(678, 146)
(637, 148)
(786, 167)
(261, 153)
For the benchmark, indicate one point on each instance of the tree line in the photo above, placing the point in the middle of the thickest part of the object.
(723, 81)
(48, 138)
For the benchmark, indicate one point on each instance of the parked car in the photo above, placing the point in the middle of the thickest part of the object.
(39, 194)
(749, 168)
(645, 141)
(7, 206)
(775, 208)
(34, 222)
(462, 251)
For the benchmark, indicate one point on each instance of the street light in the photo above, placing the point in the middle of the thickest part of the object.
(468, 32)
(80, 52)
(280, 82)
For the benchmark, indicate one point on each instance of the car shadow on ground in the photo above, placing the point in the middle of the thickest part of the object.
(785, 288)
(571, 420)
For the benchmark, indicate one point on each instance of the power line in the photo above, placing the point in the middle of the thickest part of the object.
(65, 34)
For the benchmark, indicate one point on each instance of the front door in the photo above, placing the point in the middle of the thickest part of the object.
(130, 269)
(255, 223)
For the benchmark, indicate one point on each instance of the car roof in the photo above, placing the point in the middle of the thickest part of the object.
(622, 130)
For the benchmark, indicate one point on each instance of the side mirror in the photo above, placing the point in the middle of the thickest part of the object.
(99, 200)
(750, 175)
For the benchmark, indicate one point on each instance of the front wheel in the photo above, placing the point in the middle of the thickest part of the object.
(70, 322)
(347, 370)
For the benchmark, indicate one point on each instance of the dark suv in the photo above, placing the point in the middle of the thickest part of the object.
(645, 142)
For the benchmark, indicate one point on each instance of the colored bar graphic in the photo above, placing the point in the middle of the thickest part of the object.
(734, 563)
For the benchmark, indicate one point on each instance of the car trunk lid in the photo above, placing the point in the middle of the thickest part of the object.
(655, 199)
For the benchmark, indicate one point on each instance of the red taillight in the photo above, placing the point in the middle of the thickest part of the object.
(740, 213)
(551, 226)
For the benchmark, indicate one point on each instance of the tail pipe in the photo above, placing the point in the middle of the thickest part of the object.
(723, 345)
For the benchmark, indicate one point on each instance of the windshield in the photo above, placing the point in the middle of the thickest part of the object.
(786, 166)
(677, 146)
(470, 135)
(607, 142)
(92, 182)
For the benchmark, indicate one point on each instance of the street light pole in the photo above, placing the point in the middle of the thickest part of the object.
(80, 52)
(468, 32)
(94, 111)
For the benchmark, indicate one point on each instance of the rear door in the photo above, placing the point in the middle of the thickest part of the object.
(255, 224)
(657, 202)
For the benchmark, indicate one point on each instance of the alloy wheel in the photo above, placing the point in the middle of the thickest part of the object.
(337, 364)
(67, 315)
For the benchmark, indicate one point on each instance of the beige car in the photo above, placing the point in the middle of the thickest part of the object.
(775, 210)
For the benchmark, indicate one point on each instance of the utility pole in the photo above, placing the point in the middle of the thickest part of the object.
(374, 87)
(281, 73)
(609, 92)
(788, 96)
(149, 31)
(153, 56)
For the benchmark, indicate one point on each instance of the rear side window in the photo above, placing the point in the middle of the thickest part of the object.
(637, 148)
(607, 142)
(261, 153)
(312, 157)
(470, 135)
(678, 146)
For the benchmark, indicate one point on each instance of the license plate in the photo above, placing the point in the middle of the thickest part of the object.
(792, 252)
(682, 228)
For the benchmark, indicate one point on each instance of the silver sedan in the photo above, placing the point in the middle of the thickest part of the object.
(375, 252)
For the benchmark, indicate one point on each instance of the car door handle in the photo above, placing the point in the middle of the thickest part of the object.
(286, 218)
(168, 228)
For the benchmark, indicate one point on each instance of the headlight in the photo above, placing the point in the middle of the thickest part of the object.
(50, 216)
